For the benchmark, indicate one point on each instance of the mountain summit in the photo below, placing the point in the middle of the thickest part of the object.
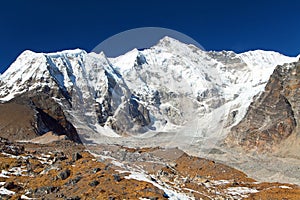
(169, 88)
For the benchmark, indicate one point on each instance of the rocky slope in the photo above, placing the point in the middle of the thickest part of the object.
(273, 117)
(25, 118)
(64, 170)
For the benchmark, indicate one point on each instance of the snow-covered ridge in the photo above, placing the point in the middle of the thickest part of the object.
(176, 82)
(213, 77)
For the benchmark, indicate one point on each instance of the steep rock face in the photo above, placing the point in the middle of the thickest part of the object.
(28, 116)
(274, 115)
(51, 117)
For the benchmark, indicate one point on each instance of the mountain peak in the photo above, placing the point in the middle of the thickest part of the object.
(27, 59)
(72, 52)
(169, 42)
(168, 38)
(265, 58)
(29, 54)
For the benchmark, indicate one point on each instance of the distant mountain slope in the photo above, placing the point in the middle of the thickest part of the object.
(171, 87)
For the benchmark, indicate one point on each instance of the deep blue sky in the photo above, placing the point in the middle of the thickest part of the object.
(46, 26)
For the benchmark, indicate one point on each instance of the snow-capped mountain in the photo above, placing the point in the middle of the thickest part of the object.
(211, 78)
(85, 85)
(169, 87)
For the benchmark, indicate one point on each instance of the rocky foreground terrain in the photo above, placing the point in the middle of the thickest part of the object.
(66, 170)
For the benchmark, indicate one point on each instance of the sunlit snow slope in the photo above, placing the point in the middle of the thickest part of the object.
(169, 87)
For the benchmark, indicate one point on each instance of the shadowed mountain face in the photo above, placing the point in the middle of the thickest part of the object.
(274, 115)
(27, 117)
(17, 122)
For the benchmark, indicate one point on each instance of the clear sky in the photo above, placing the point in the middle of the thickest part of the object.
(47, 26)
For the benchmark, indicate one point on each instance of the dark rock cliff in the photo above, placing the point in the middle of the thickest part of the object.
(27, 117)
(273, 116)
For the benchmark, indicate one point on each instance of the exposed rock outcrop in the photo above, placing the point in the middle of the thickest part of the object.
(274, 114)
(27, 117)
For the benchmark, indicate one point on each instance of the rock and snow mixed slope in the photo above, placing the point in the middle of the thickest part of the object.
(64, 170)
(211, 84)
(170, 87)
(274, 115)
